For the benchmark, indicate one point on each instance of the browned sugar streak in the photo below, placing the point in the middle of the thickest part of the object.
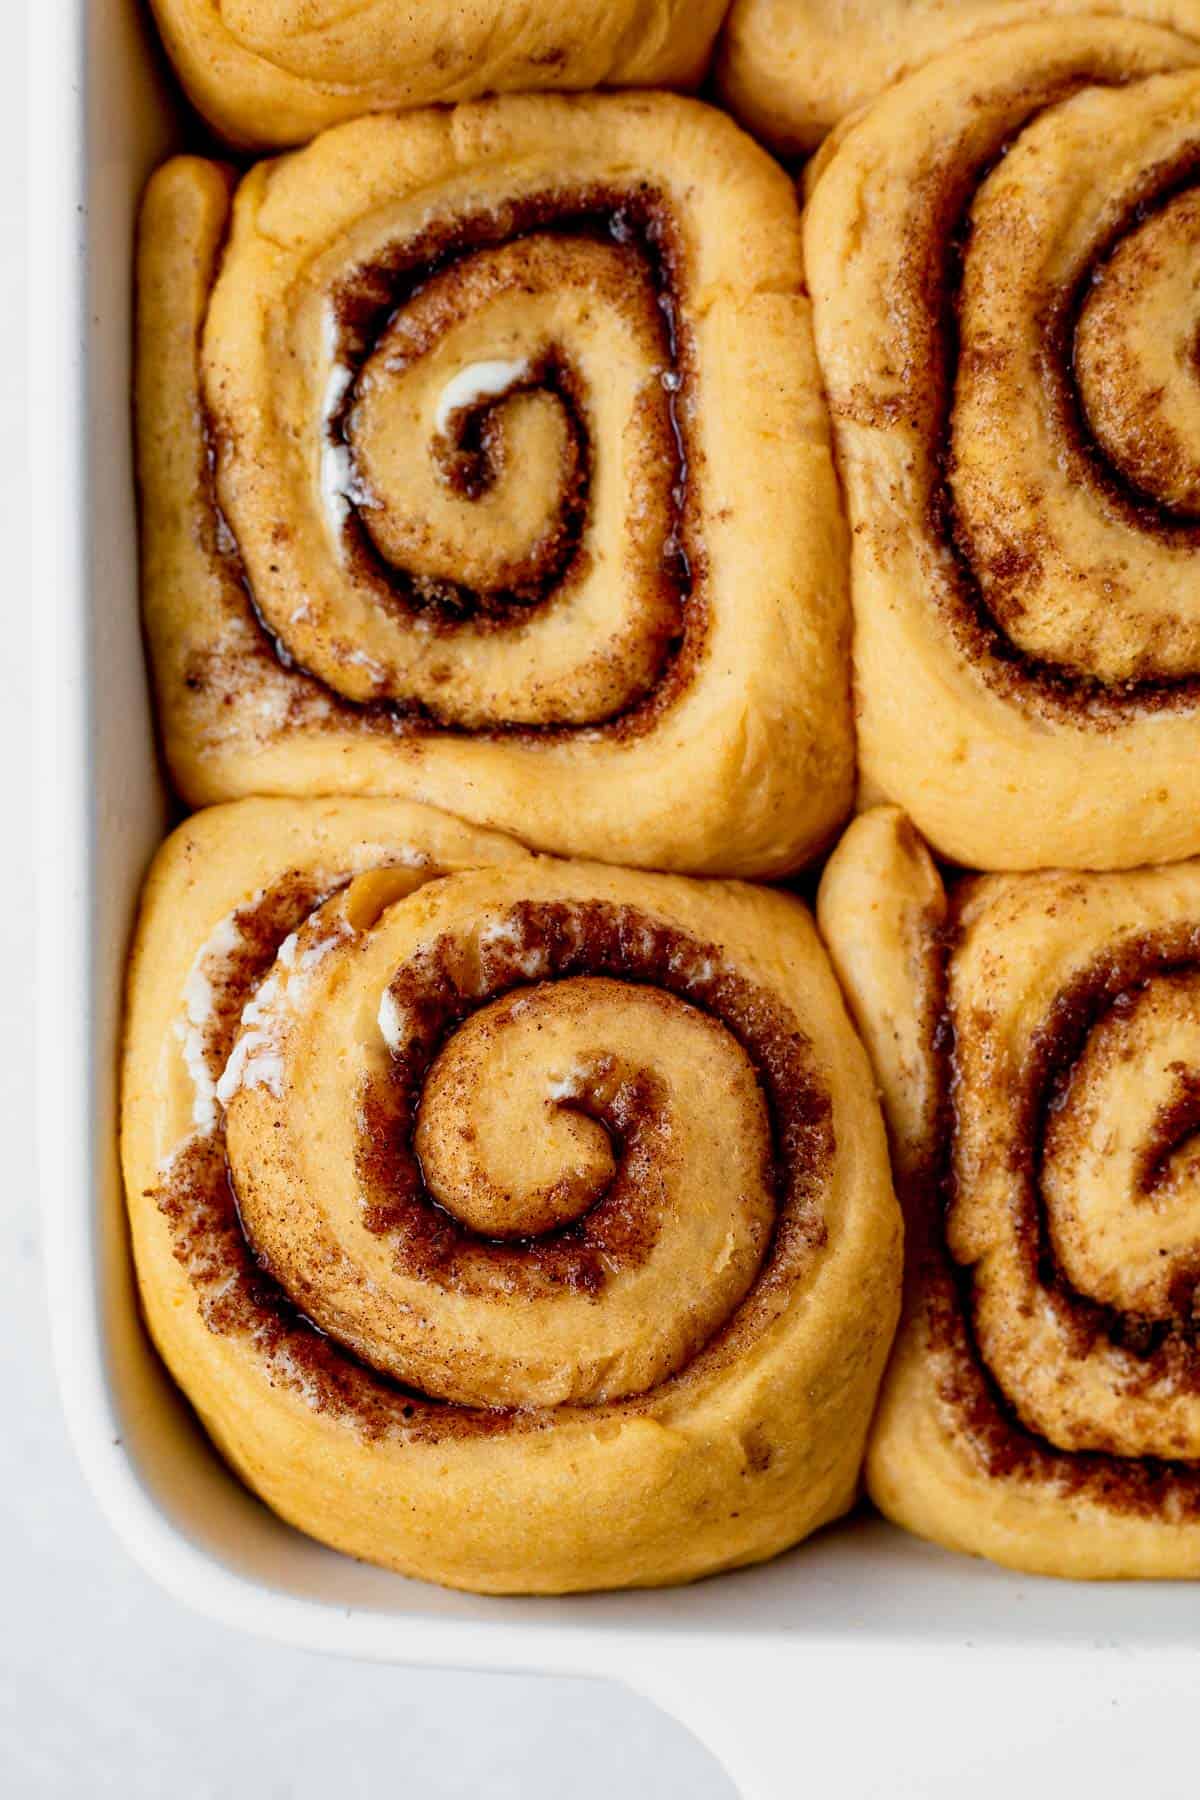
(1064, 691)
(207, 668)
(1159, 186)
(554, 564)
(438, 991)
(1176, 1124)
(558, 561)
(239, 1297)
(617, 1231)
(1147, 1486)
(475, 462)
(236, 1294)
(1166, 1349)
(638, 217)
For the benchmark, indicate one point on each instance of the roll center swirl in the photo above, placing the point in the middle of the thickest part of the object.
(1119, 1172)
(1083, 1244)
(1136, 358)
(546, 1161)
(476, 452)
(468, 430)
(509, 1164)
(1075, 424)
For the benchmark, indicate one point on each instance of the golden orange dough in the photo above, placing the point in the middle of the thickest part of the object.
(1037, 1044)
(268, 73)
(1025, 581)
(509, 420)
(792, 69)
(580, 1172)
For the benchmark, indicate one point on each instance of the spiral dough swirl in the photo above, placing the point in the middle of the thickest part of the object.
(1048, 1152)
(456, 430)
(1020, 421)
(572, 1205)
(507, 1155)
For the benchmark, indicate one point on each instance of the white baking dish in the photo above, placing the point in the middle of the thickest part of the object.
(866, 1663)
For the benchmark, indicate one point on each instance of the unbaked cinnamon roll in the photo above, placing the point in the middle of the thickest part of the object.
(791, 69)
(1037, 1043)
(1002, 254)
(518, 1224)
(484, 461)
(273, 72)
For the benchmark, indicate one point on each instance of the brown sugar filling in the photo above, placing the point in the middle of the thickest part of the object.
(1168, 1350)
(638, 222)
(239, 1297)
(1060, 690)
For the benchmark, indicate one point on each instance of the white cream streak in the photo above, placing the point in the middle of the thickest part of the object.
(191, 1029)
(257, 1056)
(478, 381)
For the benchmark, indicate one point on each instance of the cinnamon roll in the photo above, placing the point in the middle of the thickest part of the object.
(274, 72)
(518, 1224)
(791, 69)
(1001, 254)
(1037, 1042)
(486, 463)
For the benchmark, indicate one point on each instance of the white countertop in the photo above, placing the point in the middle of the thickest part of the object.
(106, 1685)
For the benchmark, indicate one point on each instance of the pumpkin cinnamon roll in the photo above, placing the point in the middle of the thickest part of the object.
(518, 1224)
(484, 461)
(1002, 256)
(1037, 1043)
(791, 69)
(275, 72)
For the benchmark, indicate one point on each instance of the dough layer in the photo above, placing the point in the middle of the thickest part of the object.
(522, 1225)
(267, 73)
(1037, 1042)
(1002, 254)
(793, 69)
(484, 462)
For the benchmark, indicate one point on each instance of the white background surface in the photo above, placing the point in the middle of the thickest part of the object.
(106, 1686)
